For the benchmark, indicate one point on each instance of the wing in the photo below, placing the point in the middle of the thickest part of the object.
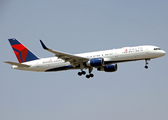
(73, 59)
(17, 64)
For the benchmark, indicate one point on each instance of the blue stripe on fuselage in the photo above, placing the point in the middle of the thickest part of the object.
(60, 68)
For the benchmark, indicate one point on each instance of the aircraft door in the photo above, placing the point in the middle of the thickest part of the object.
(116, 54)
(37, 64)
(147, 50)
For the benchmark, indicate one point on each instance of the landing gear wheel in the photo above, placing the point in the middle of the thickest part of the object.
(83, 72)
(91, 75)
(146, 67)
(87, 76)
(79, 73)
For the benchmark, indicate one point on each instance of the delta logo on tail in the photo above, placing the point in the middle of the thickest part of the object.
(21, 52)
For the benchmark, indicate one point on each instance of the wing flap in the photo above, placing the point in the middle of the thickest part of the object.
(17, 64)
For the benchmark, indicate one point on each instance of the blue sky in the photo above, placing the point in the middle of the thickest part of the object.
(74, 26)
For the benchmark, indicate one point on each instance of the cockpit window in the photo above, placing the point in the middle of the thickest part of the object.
(157, 49)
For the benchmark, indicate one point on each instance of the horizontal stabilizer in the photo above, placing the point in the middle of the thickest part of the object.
(17, 64)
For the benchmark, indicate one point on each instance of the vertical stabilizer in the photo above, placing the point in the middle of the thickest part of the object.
(22, 53)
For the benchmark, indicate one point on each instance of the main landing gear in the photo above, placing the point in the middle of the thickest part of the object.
(90, 75)
(87, 76)
(146, 63)
(81, 73)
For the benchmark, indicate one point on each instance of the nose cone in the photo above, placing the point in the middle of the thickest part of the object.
(163, 53)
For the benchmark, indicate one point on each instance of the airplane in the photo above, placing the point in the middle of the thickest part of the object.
(106, 60)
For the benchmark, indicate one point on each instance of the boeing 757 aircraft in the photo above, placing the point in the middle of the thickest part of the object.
(101, 60)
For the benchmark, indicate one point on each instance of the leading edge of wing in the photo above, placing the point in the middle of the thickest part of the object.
(65, 56)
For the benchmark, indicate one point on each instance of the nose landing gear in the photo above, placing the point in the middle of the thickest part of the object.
(146, 63)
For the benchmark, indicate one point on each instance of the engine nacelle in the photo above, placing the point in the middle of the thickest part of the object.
(95, 62)
(108, 68)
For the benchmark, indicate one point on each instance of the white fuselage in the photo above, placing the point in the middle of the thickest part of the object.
(110, 56)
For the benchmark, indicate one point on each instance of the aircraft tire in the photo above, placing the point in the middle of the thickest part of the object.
(146, 67)
(79, 73)
(87, 76)
(91, 75)
(83, 72)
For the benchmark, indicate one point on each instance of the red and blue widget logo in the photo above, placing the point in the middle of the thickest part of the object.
(21, 52)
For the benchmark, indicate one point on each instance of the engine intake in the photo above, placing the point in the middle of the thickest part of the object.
(95, 62)
(108, 68)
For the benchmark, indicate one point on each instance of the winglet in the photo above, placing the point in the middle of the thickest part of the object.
(43, 45)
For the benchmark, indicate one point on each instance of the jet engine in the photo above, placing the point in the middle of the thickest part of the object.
(95, 62)
(108, 68)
